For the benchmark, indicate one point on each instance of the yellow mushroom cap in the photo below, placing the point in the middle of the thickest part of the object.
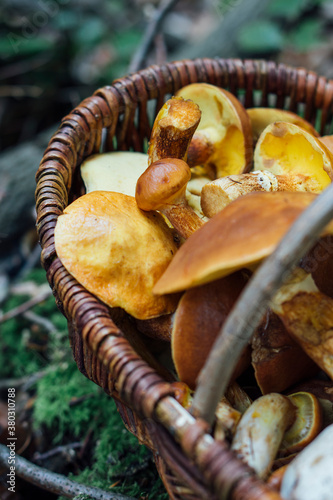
(225, 125)
(116, 251)
(240, 236)
(262, 117)
(285, 148)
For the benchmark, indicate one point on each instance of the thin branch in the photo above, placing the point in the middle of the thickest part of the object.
(63, 450)
(26, 382)
(152, 29)
(247, 313)
(21, 309)
(39, 320)
(55, 483)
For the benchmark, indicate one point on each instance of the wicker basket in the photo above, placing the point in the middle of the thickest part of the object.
(191, 464)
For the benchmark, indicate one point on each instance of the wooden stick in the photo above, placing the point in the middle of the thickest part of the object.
(253, 302)
(152, 29)
(21, 309)
(50, 481)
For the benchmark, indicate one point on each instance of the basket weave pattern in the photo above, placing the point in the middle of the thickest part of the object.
(191, 465)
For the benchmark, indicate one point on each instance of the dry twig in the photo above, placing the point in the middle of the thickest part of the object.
(21, 309)
(152, 30)
(55, 483)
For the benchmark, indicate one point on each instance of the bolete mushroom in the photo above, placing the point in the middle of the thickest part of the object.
(261, 429)
(116, 251)
(306, 426)
(286, 158)
(223, 140)
(308, 316)
(278, 360)
(240, 236)
(262, 117)
(286, 149)
(114, 171)
(198, 318)
(162, 187)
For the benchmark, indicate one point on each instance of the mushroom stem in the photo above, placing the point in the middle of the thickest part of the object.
(219, 193)
(162, 187)
(173, 129)
(260, 431)
(183, 218)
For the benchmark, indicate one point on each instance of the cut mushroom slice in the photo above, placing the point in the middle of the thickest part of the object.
(115, 171)
(286, 149)
(242, 235)
(197, 321)
(308, 316)
(173, 129)
(307, 425)
(260, 431)
(223, 139)
(162, 187)
(116, 251)
(309, 476)
(262, 117)
(278, 360)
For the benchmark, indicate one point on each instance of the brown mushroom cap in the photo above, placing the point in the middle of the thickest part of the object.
(197, 321)
(240, 236)
(116, 251)
(277, 359)
(164, 182)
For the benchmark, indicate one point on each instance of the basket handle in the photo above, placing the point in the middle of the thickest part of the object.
(253, 302)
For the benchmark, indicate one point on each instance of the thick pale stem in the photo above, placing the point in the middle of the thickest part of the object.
(217, 194)
(260, 431)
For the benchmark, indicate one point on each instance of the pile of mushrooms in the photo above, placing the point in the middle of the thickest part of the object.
(174, 242)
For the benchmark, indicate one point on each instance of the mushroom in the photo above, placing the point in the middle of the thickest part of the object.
(241, 236)
(286, 149)
(307, 425)
(278, 360)
(286, 158)
(162, 187)
(200, 313)
(223, 139)
(323, 390)
(308, 316)
(262, 117)
(327, 140)
(115, 171)
(260, 431)
(173, 129)
(116, 251)
(309, 476)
